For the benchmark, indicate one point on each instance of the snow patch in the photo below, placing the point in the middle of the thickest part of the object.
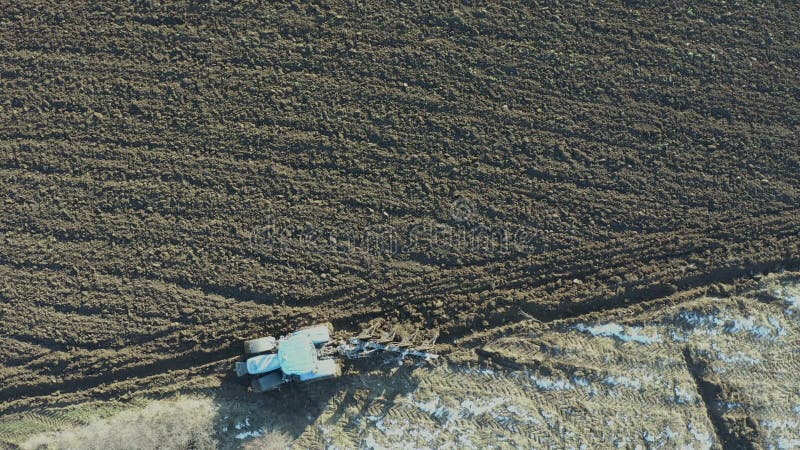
(245, 424)
(240, 425)
(694, 319)
(691, 322)
(728, 406)
(432, 407)
(622, 380)
(580, 381)
(749, 325)
(780, 423)
(381, 425)
(249, 434)
(787, 444)
(522, 413)
(481, 407)
(738, 358)
(683, 396)
(485, 371)
(705, 438)
(547, 384)
(465, 441)
(398, 429)
(793, 302)
(617, 331)
(372, 444)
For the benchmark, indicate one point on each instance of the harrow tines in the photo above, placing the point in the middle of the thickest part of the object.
(408, 340)
(428, 342)
(387, 336)
(368, 332)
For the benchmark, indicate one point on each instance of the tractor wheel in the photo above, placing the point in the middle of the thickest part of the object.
(259, 345)
(268, 382)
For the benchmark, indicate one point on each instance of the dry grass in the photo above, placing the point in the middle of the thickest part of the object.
(274, 440)
(185, 423)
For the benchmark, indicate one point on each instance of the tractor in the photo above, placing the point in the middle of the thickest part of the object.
(309, 354)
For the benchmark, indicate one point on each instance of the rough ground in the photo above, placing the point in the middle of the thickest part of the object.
(707, 373)
(712, 372)
(174, 178)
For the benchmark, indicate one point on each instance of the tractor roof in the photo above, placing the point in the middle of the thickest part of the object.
(297, 354)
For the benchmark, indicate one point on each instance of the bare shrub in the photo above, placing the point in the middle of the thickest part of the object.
(185, 423)
(274, 440)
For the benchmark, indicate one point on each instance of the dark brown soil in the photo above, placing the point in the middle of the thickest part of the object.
(175, 178)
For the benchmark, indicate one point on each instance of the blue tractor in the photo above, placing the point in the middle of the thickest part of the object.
(309, 354)
(299, 356)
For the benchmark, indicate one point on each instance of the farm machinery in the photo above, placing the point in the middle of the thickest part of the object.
(311, 354)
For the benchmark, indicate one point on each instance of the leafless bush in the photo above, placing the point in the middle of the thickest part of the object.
(274, 440)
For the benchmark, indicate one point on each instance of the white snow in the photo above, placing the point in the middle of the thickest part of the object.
(622, 380)
(241, 425)
(434, 408)
(707, 439)
(787, 444)
(736, 358)
(732, 405)
(388, 430)
(684, 396)
(739, 358)
(249, 434)
(580, 381)
(547, 384)
(398, 429)
(780, 423)
(522, 413)
(794, 303)
(696, 320)
(749, 325)
(615, 330)
(372, 444)
(713, 324)
(245, 424)
(481, 407)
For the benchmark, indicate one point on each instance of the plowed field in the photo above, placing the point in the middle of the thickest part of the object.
(175, 177)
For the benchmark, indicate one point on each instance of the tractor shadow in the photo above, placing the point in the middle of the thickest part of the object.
(367, 387)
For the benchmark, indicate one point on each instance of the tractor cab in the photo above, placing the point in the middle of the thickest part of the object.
(297, 354)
